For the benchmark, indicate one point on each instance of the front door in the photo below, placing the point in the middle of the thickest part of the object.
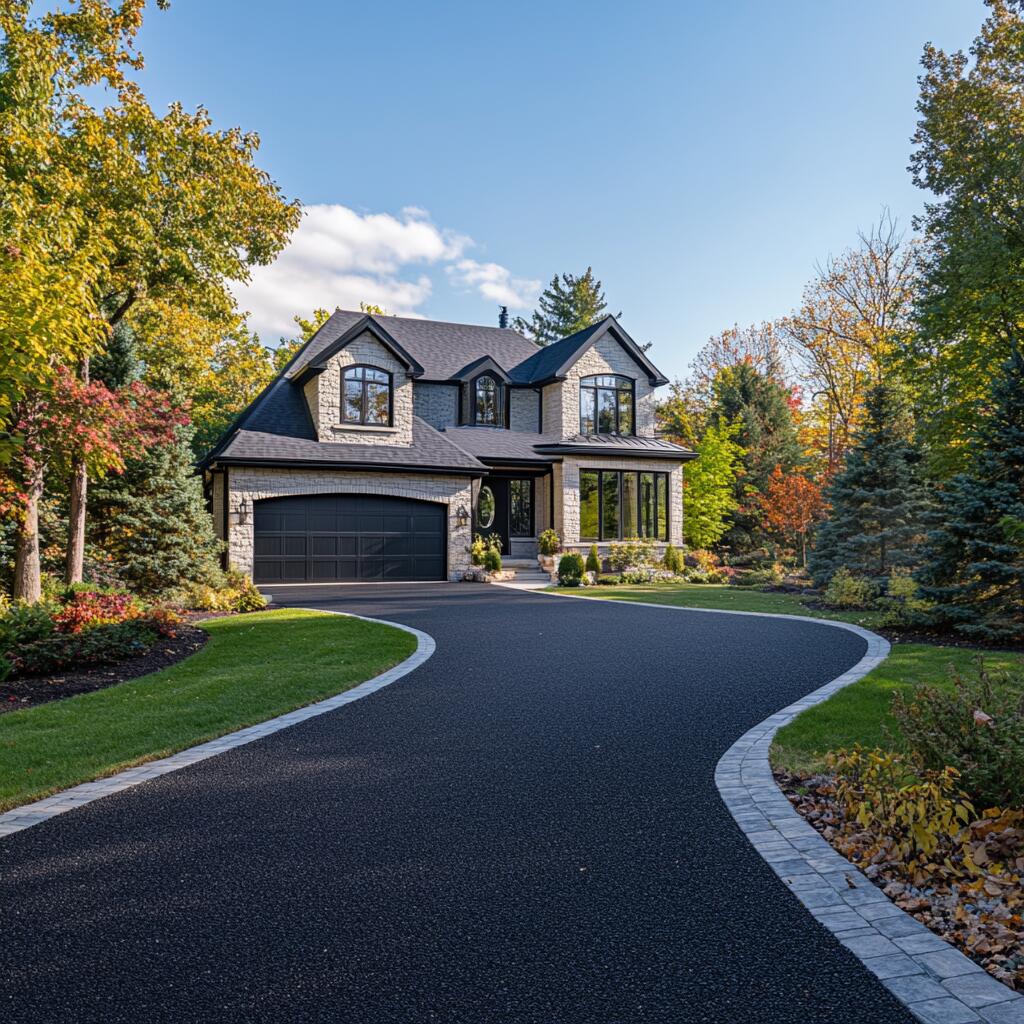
(492, 511)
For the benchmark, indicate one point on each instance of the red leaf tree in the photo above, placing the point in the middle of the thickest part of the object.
(792, 503)
(73, 421)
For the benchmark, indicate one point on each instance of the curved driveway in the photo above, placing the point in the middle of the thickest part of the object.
(525, 829)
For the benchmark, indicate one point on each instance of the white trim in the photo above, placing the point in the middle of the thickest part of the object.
(27, 815)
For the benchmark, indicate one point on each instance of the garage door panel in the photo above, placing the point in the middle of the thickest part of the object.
(348, 537)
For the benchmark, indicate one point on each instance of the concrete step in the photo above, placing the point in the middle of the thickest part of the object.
(519, 563)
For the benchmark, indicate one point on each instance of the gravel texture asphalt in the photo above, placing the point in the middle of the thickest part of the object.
(524, 829)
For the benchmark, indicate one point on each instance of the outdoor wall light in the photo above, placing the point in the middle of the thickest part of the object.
(240, 515)
(462, 516)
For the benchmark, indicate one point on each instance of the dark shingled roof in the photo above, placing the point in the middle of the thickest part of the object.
(493, 443)
(442, 349)
(429, 450)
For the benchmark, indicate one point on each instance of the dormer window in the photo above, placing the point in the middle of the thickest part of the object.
(487, 403)
(606, 405)
(366, 396)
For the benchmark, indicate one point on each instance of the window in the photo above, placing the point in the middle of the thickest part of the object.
(485, 510)
(616, 504)
(520, 499)
(487, 404)
(606, 405)
(366, 396)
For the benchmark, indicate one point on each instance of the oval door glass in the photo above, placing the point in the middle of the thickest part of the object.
(485, 511)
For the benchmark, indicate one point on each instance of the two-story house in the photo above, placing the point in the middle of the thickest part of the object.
(387, 442)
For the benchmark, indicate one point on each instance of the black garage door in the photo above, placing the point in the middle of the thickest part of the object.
(348, 537)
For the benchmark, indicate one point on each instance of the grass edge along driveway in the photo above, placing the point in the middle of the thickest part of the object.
(858, 713)
(254, 667)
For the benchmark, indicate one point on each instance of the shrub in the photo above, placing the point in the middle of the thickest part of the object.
(696, 576)
(762, 577)
(24, 624)
(95, 646)
(977, 728)
(922, 813)
(492, 560)
(237, 593)
(901, 603)
(641, 575)
(701, 559)
(632, 553)
(548, 543)
(673, 560)
(609, 580)
(593, 559)
(86, 609)
(570, 570)
(846, 591)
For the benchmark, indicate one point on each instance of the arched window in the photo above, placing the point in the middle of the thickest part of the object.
(366, 396)
(606, 405)
(487, 401)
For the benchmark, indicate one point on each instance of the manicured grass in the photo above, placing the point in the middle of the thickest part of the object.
(253, 667)
(737, 599)
(860, 713)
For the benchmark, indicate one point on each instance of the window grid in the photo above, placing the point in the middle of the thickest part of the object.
(615, 504)
(366, 396)
(607, 405)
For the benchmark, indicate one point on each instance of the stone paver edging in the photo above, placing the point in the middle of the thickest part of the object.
(41, 810)
(934, 980)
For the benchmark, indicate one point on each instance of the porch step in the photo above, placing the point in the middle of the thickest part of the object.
(520, 563)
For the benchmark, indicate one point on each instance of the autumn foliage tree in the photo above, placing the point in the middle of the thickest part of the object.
(792, 503)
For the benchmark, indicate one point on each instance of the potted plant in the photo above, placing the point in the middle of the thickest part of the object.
(548, 546)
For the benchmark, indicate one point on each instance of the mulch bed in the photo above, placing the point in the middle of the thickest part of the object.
(980, 913)
(28, 691)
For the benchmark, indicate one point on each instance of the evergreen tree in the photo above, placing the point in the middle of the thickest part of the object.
(152, 520)
(569, 304)
(761, 408)
(878, 504)
(975, 557)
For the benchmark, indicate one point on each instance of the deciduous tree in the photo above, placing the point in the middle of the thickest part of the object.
(792, 503)
(709, 485)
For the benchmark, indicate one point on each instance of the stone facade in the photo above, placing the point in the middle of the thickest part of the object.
(562, 400)
(436, 404)
(567, 494)
(249, 484)
(323, 395)
(523, 410)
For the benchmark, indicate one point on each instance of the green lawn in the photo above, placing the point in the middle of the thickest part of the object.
(253, 667)
(860, 713)
(737, 599)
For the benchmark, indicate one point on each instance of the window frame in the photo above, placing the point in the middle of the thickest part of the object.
(499, 400)
(363, 402)
(528, 481)
(590, 389)
(659, 493)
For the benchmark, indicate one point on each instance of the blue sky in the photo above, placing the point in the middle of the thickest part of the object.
(701, 156)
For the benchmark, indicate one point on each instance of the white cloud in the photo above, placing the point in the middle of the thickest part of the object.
(494, 282)
(338, 257)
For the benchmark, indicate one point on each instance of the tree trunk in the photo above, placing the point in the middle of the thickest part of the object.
(76, 510)
(27, 577)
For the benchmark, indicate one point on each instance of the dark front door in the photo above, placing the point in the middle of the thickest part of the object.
(492, 510)
(327, 538)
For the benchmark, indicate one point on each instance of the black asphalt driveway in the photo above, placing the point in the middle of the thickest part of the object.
(525, 829)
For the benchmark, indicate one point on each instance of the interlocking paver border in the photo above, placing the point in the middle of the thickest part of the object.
(27, 815)
(935, 981)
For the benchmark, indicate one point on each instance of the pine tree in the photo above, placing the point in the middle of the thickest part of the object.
(975, 557)
(152, 520)
(878, 503)
(569, 304)
(760, 406)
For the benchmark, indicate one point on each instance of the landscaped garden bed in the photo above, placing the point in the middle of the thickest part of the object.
(916, 775)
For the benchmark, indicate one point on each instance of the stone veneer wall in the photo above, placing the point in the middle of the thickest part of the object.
(437, 404)
(567, 494)
(523, 408)
(249, 484)
(562, 401)
(323, 395)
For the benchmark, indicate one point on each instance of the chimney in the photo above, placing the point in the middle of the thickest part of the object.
(503, 317)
